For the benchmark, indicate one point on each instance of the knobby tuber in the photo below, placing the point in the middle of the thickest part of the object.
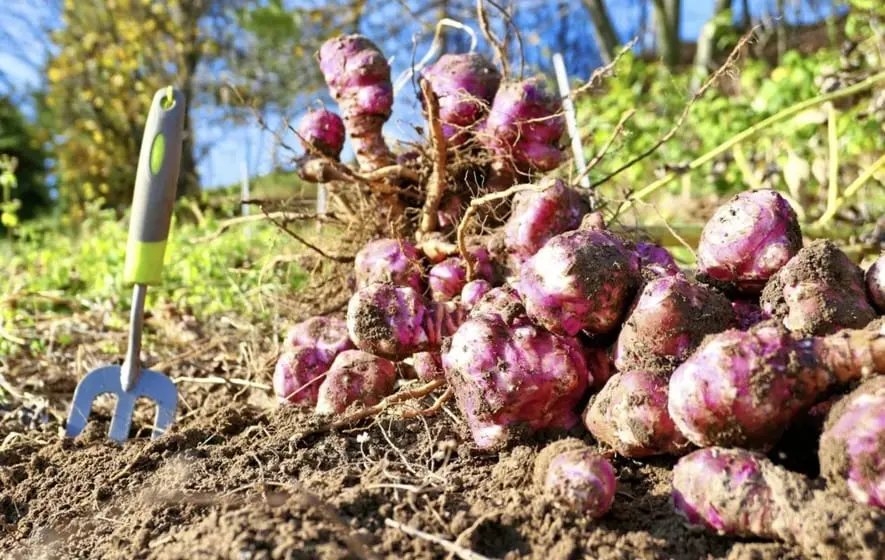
(465, 85)
(747, 240)
(473, 291)
(324, 131)
(670, 318)
(355, 377)
(744, 388)
(389, 260)
(654, 261)
(358, 76)
(297, 375)
(581, 480)
(579, 280)
(387, 320)
(537, 216)
(852, 446)
(524, 126)
(508, 377)
(427, 366)
(875, 278)
(630, 415)
(741, 493)
(326, 334)
(448, 278)
(818, 292)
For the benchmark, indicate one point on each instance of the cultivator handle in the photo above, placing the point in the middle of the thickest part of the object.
(155, 184)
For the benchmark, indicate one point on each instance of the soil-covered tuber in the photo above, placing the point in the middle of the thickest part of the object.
(465, 85)
(387, 320)
(537, 216)
(524, 126)
(747, 240)
(744, 388)
(741, 493)
(668, 321)
(448, 278)
(820, 291)
(581, 480)
(323, 130)
(473, 291)
(297, 376)
(654, 260)
(326, 334)
(358, 76)
(428, 366)
(748, 313)
(389, 260)
(630, 415)
(875, 278)
(852, 446)
(579, 280)
(355, 377)
(507, 377)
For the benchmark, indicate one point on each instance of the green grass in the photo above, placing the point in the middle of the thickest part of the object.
(51, 269)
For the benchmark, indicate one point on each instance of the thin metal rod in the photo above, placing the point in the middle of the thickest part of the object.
(132, 364)
(571, 119)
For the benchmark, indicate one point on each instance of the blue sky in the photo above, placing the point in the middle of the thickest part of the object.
(234, 145)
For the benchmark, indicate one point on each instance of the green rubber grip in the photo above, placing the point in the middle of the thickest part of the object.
(156, 182)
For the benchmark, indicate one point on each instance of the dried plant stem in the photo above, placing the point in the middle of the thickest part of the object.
(449, 546)
(732, 58)
(603, 71)
(500, 48)
(850, 191)
(753, 131)
(619, 129)
(285, 216)
(436, 183)
(432, 409)
(475, 205)
(396, 398)
(215, 380)
(305, 242)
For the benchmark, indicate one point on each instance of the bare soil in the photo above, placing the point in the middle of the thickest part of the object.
(238, 477)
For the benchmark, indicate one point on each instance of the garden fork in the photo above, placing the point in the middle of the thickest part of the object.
(152, 201)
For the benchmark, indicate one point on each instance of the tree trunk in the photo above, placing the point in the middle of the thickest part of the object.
(707, 44)
(668, 20)
(603, 30)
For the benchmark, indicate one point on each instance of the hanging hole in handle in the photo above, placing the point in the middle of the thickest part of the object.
(168, 101)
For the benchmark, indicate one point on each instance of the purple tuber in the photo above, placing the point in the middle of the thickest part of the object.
(744, 388)
(387, 320)
(428, 366)
(537, 216)
(358, 76)
(581, 480)
(297, 376)
(473, 291)
(875, 278)
(355, 377)
(670, 318)
(524, 126)
(465, 85)
(741, 493)
(448, 278)
(326, 334)
(747, 240)
(820, 291)
(323, 131)
(630, 415)
(579, 280)
(511, 376)
(852, 446)
(748, 314)
(389, 260)
(655, 261)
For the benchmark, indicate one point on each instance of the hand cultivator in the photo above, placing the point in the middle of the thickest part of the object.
(152, 202)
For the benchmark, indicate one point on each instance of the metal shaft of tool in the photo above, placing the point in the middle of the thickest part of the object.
(132, 364)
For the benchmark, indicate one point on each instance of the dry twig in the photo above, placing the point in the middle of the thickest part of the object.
(729, 62)
(497, 44)
(475, 205)
(449, 546)
(436, 183)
